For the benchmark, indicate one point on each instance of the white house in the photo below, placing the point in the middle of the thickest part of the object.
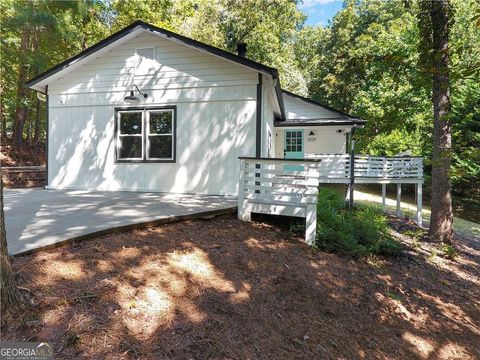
(150, 110)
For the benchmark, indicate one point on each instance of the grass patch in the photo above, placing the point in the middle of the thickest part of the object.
(361, 232)
(448, 251)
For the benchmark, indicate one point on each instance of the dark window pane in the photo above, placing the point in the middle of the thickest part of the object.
(131, 123)
(130, 147)
(161, 122)
(160, 147)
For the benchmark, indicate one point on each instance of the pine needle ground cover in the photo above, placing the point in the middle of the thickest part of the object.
(224, 289)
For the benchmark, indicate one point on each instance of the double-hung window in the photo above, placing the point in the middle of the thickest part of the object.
(145, 135)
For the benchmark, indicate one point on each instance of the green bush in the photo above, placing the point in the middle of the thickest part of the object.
(360, 232)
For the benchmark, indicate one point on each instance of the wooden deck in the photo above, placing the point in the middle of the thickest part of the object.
(290, 187)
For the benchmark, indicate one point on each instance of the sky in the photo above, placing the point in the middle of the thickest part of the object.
(319, 12)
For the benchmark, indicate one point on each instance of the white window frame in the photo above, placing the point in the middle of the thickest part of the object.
(119, 136)
(148, 135)
(145, 111)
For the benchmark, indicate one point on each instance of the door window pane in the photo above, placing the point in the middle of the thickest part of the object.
(294, 141)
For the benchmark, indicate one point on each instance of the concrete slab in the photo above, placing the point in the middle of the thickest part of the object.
(37, 218)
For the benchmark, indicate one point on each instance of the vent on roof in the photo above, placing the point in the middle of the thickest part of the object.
(145, 61)
(146, 53)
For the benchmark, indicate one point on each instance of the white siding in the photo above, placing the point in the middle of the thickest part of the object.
(325, 141)
(299, 109)
(216, 104)
(267, 119)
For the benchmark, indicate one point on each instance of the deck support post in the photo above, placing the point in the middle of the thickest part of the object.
(384, 195)
(243, 213)
(419, 204)
(399, 199)
(352, 173)
(310, 223)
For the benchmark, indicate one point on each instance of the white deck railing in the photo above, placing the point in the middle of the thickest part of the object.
(280, 187)
(336, 168)
(290, 187)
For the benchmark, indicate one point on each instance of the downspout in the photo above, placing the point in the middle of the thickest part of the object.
(258, 132)
(46, 136)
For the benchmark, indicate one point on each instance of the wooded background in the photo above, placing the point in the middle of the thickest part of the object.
(370, 61)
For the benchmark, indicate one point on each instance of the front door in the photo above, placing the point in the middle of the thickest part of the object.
(294, 148)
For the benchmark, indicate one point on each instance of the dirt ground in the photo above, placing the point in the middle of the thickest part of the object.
(23, 156)
(224, 289)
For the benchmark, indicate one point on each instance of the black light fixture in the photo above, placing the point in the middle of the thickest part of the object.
(132, 98)
(311, 133)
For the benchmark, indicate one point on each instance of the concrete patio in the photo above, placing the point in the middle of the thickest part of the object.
(37, 218)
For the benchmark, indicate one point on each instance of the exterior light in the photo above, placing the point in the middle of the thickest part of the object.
(132, 99)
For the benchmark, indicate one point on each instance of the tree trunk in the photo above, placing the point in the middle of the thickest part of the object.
(441, 220)
(3, 123)
(21, 109)
(10, 297)
(36, 133)
(28, 135)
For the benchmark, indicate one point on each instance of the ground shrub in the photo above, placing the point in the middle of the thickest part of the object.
(360, 232)
(448, 251)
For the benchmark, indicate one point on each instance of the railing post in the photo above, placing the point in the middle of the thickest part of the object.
(384, 195)
(399, 199)
(352, 175)
(243, 213)
(419, 204)
(310, 223)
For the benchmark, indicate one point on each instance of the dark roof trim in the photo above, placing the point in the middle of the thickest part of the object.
(141, 24)
(319, 122)
(187, 41)
(316, 103)
(278, 91)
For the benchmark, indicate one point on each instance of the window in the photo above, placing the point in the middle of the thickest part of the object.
(293, 141)
(145, 135)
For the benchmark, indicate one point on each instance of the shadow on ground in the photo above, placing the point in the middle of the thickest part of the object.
(223, 289)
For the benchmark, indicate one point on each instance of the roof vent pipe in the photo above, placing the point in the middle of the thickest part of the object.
(242, 49)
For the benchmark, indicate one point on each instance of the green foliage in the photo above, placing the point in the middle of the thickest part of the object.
(371, 61)
(360, 232)
(394, 142)
(448, 251)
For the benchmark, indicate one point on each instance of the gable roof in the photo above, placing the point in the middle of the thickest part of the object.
(37, 82)
(334, 116)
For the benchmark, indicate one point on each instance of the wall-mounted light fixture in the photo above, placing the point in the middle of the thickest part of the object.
(132, 98)
(311, 133)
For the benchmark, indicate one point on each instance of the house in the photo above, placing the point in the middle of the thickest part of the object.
(150, 110)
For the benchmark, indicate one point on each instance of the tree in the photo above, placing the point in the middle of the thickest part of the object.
(441, 220)
(10, 296)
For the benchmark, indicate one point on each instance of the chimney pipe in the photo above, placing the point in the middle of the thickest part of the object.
(242, 49)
